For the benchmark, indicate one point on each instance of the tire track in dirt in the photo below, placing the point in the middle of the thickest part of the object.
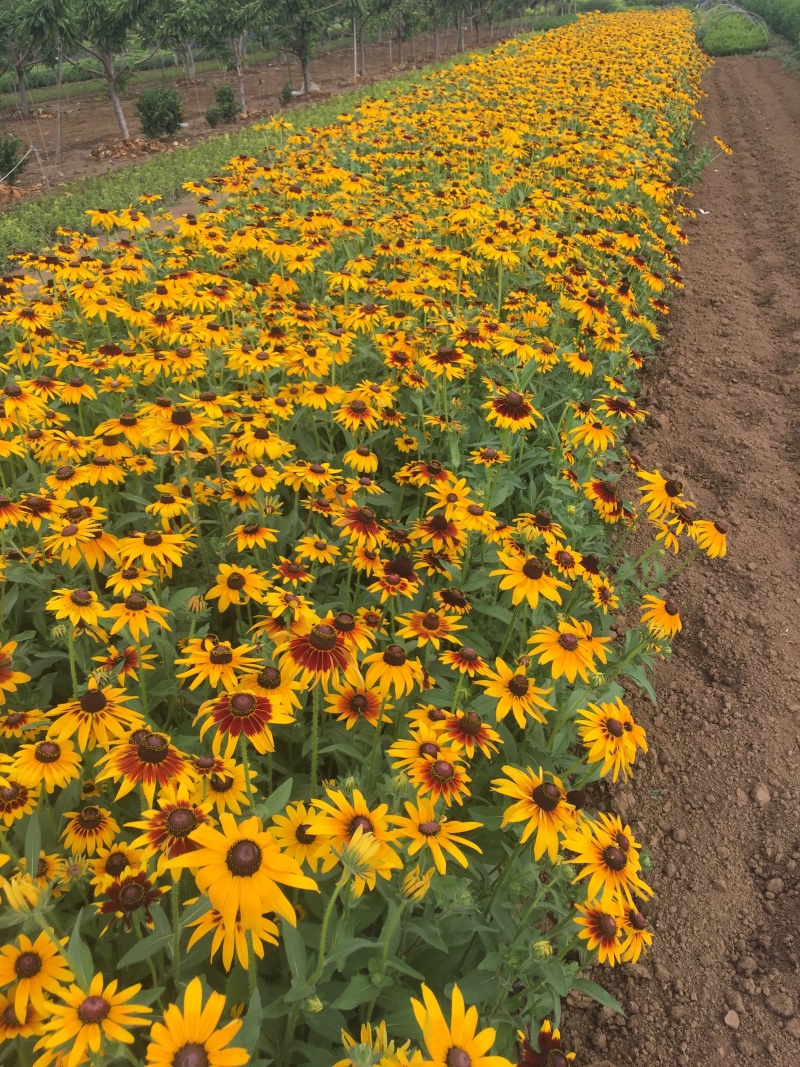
(716, 799)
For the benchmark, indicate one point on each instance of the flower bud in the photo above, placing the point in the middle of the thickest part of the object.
(313, 1005)
(541, 950)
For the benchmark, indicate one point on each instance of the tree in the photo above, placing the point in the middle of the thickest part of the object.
(211, 22)
(19, 47)
(104, 29)
(296, 26)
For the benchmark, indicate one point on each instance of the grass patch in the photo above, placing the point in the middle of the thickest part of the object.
(730, 35)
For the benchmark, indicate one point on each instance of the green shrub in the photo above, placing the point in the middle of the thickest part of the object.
(782, 16)
(10, 145)
(226, 103)
(159, 111)
(213, 116)
(285, 94)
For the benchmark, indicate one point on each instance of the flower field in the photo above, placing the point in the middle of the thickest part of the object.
(317, 519)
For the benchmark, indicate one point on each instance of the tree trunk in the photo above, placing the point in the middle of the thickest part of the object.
(355, 49)
(22, 91)
(59, 152)
(436, 42)
(188, 60)
(459, 34)
(361, 62)
(306, 75)
(476, 22)
(238, 49)
(113, 95)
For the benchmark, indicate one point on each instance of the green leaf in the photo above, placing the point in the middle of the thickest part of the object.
(142, 950)
(553, 972)
(503, 614)
(275, 802)
(251, 1027)
(80, 958)
(596, 992)
(359, 990)
(33, 843)
(346, 947)
(295, 949)
(428, 933)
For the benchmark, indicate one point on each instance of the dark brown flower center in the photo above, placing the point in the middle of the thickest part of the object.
(303, 836)
(221, 783)
(27, 964)
(722, 527)
(10, 792)
(152, 538)
(395, 656)
(81, 598)
(94, 1009)
(322, 638)
(235, 581)
(47, 751)
(93, 701)
(607, 925)
(512, 400)
(443, 771)
(135, 602)
(518, 685)
(244, 859)
(431, 621)
(428, 748)
(153, 749)
(547, 796)
(181, 416)
(429, 828)
(269, 678)
(242, 704)
(471, 724)
(10, 1017)
(671, 607)
(614, 727)
(534, 569)
(637, 920)
(363, 822)
(90, 817)
(614, 858)
(132, 896)
(359, 704)
(221, 655)
(457, 1057)
(181, 822)
(469, 654)
(116, 863)
(344, 622)
(366, 516)
(673, 488)
(568, 642)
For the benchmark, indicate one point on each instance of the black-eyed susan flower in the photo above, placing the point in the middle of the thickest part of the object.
(601, 928)
(712, 537)
(392, 669)
(82, 1025)
(609, 854)
(135, 613)
(168, 827)
(422, 828)
(319, 656)
(429, 627)
(466, 730)
(353, 703)
(292, 831)
(12, 1025)
(528, 579)
(240, 868)
(16, 800)
(147, 759)
(662, 617)
(442, 776)
(233, 938)
(541, 803)
(661, 495)
(570, 649)
(112, 863)
(244, 712)
(464, 660)
(217, 662)
(514, 692)
(37, 971)
(88, 829)
(48, 763)
(237, 585)
(636, 937)
(21, 723)
(193, 1037)
(252, 535)
(612, 737)
(129, 899)
(345, 822)
(458, 1043)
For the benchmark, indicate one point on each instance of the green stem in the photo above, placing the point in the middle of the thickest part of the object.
(252, 974)
(246, 765)
(72, 669)
(323, 934)
(176, 937)
(677, 570)
(510, 630)
(315, 713)
(498, 885)
(634, 652)
(385, 954)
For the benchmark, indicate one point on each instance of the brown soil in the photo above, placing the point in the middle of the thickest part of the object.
(716, 802)
(88, 122)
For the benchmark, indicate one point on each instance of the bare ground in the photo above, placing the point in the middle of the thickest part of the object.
(717, 804)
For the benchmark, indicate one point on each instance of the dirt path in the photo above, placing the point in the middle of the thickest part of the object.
(718, 802)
